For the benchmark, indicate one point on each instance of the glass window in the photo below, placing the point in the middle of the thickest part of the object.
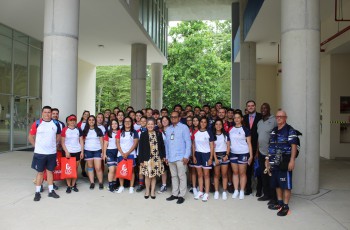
(5, 64)
(20, 37)
(5, 122)
(4, 30)
(20, 123)
(35, 43)
(34, 72)
(20, 68)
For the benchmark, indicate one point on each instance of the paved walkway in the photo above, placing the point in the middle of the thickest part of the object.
(104, 210)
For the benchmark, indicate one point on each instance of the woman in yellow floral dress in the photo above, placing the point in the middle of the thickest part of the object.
(151, 156)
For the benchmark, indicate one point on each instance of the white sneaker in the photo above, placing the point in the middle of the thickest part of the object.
(195, 192)
(216, 195)
(205, 197)
(224, 196)
(131, 190)
(120, 189)
(235, 194)
(199, 195)
(241, 195)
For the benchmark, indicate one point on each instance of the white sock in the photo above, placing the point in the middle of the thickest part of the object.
(50, 188)
(37, 188)
(164, 184)
(242, 191)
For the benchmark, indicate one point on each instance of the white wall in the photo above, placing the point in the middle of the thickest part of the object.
(340, 86)
(86, 88)
(325, 105)
(266, 87)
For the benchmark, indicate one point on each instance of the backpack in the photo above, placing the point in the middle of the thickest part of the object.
(37, 122)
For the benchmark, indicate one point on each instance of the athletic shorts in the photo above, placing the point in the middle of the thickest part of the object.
(76, 155)
(281, 179)
(120, 158)
(112, 157)
(90, 155)
(202, 160)
(190, 162)
(239, 158)
(220, 156)
(42, 161)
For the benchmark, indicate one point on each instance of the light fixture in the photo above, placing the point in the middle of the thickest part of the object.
(101, 46)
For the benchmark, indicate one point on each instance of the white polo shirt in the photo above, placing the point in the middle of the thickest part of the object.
(72, 139)
(127, 141)
(202, 140)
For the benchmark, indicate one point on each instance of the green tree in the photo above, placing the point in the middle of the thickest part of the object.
(199, 64)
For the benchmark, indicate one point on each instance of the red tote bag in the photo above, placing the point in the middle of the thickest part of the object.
(57, 171)
(68, 167)
(124, 169)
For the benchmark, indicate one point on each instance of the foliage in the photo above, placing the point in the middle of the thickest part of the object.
(199, 64)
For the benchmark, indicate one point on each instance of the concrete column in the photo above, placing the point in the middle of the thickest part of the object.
(300, 30)
(156, 86)
(86, 88)
(235, 78)
(60, 55)
(247, 63)
(138, 75)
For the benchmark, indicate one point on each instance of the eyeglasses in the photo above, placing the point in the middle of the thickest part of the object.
(279, 117)
(173, 117)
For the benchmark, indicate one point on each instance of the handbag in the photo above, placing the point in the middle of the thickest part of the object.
(57, 171)
(124, 169)
(68, 168)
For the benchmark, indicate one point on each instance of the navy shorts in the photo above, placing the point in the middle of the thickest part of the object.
(220, 156)
(120, 158)
(42, 161)
(202, 160)
(112, 157)
(75, 155)
(281, 179)
(90, 155)
(239, 158)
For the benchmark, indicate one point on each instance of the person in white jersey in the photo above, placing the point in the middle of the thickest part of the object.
(110, 153)
(93, 145)
(100, 122)
(81, 124)
(241, 154)
(221, 157)
(203, 152)
(73, 145)
(44, 136)
(127, 141)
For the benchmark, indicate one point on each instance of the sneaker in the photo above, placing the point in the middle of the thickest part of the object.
(205, 197)
(131, 190)
(69, 190)
(37, 196)
(272, 202)
(100, 186)
(75, 189)
(55, 187)
(92, 186)
(216, 195)
(140, 187)
(120, 189)
(224, 195)
(235, 194)
(283, 211)
(230, 188)
(198, 196)
(53, 194)
(111, 188)
(162, 189)
(191, 190)
(195, 191)
(275, 206)
(241, 195)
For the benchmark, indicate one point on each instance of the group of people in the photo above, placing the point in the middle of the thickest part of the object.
(214, 143)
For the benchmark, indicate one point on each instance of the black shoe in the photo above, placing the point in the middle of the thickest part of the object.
(92, 186)
(53, 194)
(75, 189)
(69, 190)
(272, 202)
(230, 188)
(264, 198)
(153, 197)
(172, 198)
(41, 188)
(146, 197)
(37, 196)
(283, 211)
(275, 206)
(83, 173)
(140, 187)
(180, 200)
(100, 186)
(258, 194)
(55, 187)
(191, 190)
(248, 192)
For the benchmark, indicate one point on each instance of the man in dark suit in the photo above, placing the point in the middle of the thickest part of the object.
(250, 121)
